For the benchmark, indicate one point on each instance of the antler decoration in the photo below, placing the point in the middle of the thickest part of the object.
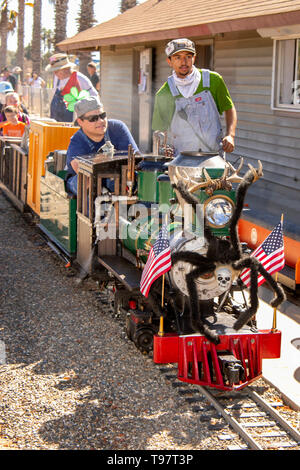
(256, 173)
(211, 185)
(224, 182)
(234, 178)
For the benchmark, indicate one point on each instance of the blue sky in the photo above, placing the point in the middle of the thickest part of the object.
(104, 11)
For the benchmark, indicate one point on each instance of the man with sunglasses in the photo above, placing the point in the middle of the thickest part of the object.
(95, 130)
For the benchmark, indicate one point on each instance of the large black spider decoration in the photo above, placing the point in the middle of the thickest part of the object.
(224, 251)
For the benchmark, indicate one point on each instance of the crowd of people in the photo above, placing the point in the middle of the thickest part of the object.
(13, 76)
(34, 79)
(14, 116)
(200, 91)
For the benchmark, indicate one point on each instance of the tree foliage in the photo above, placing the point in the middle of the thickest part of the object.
(85, 20)
(7, 24)
(36, 36)
(61, 13)
(126, 4)
(44, 41)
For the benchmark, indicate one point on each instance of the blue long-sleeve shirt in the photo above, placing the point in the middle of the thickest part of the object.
(80, 144)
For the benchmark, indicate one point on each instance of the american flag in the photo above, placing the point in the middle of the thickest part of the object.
(158, 262)
(270, 254)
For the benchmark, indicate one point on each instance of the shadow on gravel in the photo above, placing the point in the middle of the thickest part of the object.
(88, 387)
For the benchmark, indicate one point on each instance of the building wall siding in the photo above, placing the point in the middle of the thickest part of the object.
(116, 83)
(262, 134)
(162, 69)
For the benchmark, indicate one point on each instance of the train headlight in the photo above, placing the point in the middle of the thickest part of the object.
(218, 210)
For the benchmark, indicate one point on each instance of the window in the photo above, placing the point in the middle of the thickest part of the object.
(286, 75)
(204, 57)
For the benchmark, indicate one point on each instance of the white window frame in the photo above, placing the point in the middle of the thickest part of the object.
(280, 64)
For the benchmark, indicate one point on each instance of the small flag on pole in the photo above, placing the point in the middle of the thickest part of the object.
(158, 262)
(270, 254)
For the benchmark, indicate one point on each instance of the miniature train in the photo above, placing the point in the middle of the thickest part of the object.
(189, 316)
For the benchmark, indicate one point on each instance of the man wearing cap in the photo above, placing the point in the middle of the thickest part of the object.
(188, 106)
(95, 130)
(65, 77)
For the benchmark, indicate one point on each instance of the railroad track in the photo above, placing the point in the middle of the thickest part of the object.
(256, 421)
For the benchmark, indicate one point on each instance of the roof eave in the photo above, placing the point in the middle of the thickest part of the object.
(241, 24)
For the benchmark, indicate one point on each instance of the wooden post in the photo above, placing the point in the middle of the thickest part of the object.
(161, 320)
(274, 324)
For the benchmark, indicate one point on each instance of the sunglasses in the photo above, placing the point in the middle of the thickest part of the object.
(95, 118)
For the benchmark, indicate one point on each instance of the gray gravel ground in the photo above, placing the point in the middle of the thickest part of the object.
(70, 380)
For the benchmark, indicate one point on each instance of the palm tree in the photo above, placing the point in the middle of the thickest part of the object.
(86, 20)
(7, 24)
(36, 36)
(20, 49)
(47, 41)
(61, 13)
(3, 34)
(126, 4)
(47, 38)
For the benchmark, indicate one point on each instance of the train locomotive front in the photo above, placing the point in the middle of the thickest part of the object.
(188, 315)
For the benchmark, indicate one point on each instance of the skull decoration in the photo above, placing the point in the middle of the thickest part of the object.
(224, 277)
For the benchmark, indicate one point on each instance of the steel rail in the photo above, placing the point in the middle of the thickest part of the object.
(230, 420)
(269, 409)
(239, 428)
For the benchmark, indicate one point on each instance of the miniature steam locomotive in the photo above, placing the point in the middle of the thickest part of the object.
(189, 316)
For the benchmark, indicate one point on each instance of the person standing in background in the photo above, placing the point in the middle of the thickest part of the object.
(9, 77)
(27, 78)
(17, 73)
(94, 77)
(36, 81)
(66, 78)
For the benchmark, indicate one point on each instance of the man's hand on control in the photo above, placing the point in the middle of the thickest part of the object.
(228, 144)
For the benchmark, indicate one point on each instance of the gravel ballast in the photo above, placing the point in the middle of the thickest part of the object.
(69, 379)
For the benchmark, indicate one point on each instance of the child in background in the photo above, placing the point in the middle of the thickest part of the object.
(12, 127)
(13, 99)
